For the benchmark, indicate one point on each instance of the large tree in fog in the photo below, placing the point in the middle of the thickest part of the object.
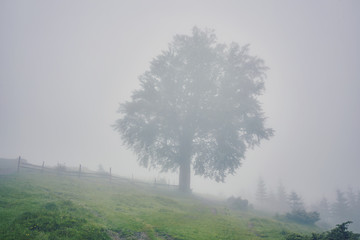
(196, 107)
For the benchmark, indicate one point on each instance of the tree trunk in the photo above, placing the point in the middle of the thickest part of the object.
(184, 175)
(185, 153)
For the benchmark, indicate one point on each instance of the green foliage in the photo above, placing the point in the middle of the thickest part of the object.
(238, 203)
(301, 216)
(340, 232)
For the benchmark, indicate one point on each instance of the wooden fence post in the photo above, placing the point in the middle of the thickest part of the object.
(18, 167)
(42, 167)
(110, 174)
(79, 170)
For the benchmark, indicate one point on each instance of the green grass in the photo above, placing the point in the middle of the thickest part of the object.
(41, 206)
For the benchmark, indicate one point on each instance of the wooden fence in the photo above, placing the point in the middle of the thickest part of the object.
(82, 173)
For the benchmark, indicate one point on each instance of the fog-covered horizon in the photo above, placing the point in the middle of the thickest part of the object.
(66, 66)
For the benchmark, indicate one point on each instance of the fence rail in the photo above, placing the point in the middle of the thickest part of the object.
(81, 173)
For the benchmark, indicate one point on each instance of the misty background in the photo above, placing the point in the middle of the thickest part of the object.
(65, 66)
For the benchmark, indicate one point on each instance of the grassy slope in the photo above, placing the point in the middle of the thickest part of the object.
(41, 206)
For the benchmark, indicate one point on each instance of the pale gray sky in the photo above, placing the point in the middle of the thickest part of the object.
(66, 65)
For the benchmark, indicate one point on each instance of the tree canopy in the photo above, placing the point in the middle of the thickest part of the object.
(197, 106)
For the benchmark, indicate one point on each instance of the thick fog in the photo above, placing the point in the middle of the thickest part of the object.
(65, 66)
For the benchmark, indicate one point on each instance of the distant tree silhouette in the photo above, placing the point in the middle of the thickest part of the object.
(261, 193)
(340, 208)
(295, 202)
(325, 212)
(353, 201)
(282, 201)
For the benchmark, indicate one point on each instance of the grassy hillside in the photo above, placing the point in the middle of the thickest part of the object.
(41, 206)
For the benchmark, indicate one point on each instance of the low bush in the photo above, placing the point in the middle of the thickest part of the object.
(238, 203)
(340, 232)
(303, 217)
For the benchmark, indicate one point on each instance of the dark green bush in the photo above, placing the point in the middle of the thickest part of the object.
(238, 203)
(301, 216)
(340, 232)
